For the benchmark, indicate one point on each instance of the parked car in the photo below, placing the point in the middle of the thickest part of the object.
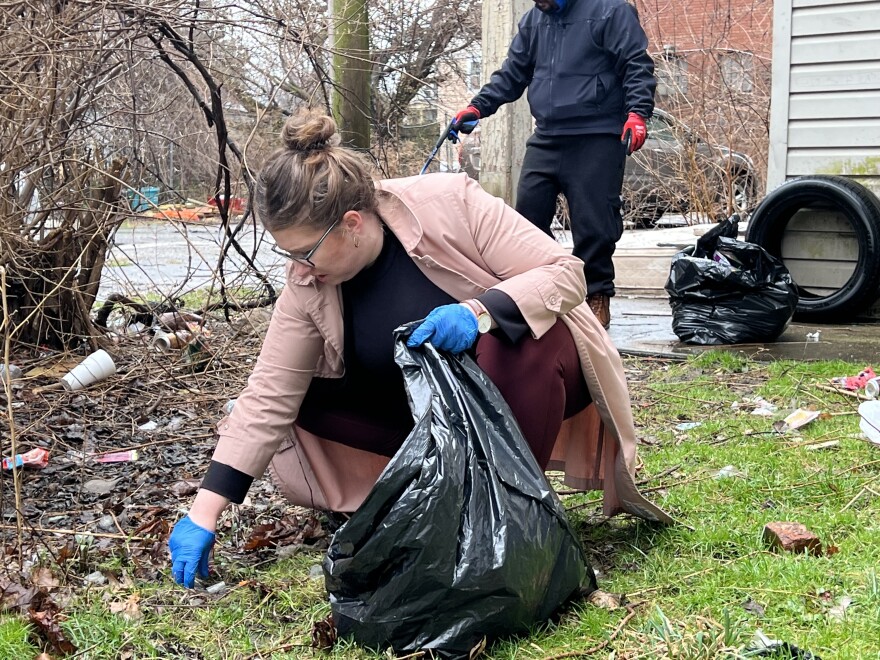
(675, 171)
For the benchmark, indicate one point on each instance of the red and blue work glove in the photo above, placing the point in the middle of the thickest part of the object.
(451, 328)
(635, 131)
(190, 546)
(465, 121)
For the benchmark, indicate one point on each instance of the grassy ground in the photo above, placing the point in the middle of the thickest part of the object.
(697, 590)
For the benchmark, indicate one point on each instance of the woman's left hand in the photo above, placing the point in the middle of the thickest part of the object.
(451, 328)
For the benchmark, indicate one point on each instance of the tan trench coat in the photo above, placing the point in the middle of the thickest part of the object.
(465, 241)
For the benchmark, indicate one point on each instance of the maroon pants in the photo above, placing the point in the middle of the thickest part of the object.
(540, 379)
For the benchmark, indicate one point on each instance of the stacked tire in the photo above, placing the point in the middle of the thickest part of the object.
(769, 227)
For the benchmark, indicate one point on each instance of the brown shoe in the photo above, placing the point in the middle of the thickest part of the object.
(600, 304)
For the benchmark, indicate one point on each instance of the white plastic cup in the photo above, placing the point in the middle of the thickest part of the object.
(872, 388)
(96, 367)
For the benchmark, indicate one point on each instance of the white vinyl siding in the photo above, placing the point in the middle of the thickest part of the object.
(825, 110)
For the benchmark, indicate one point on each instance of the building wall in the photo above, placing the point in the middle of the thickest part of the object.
(692, 25)
(713, 63)
(826, 99)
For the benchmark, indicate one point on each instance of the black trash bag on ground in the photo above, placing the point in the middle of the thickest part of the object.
(725, 291)
(462, 537)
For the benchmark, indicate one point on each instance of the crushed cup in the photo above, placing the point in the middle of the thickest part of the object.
(96, 367)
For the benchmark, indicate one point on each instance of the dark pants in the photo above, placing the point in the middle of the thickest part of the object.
(588, 170)
(540, 379)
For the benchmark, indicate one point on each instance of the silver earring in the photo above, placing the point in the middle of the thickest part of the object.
(356, 241)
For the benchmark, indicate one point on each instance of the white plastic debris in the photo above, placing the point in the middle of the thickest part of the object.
(763, 407)
(870, 422)
(687, 426)
(15, 373)
(799, 418)
(728, 472)
(217, 588)
(819, 446)
(838, 612)
(96, 578)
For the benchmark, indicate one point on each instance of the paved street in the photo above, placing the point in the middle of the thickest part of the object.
(170, 259)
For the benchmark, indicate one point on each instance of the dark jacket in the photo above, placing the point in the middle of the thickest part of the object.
(586, 69)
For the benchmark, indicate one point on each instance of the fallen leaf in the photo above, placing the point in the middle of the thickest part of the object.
(831, 550)
(753, 608)
(324, 634)
(100, 486)
(607, 601)
(56, 370)
(14, 596)
(154, 522)
(42, 577)
(127, 609)
(68, 551)
(289, 530)
(44, 615)
(478, 650)
(186, 487)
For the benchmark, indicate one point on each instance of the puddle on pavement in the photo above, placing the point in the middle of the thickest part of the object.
(643, 326)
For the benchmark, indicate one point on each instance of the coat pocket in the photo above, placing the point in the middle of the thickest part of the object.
(575, 96)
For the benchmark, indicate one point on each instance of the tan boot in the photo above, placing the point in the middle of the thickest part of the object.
(600, 304)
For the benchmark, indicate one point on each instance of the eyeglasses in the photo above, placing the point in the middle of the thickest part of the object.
(305, 259)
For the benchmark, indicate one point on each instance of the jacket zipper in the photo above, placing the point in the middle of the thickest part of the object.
(558, 37)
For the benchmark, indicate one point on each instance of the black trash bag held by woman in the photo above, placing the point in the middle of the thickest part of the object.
(725, 291)
(462, 537)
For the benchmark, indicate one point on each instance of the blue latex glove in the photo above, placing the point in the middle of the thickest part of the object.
(190, 546)
(450, 328)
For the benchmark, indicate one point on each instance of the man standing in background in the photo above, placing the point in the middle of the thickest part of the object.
(591, 89)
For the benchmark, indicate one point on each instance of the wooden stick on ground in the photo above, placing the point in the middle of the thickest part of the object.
(103, 535)
(831, 388)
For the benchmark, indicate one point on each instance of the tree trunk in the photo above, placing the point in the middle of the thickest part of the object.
(52, 283)
(351, 71)
(504, 135)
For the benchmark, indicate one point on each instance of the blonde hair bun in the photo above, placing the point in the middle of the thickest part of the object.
(309, 131)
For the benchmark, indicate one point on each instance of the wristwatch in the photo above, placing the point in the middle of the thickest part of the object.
(484, 319)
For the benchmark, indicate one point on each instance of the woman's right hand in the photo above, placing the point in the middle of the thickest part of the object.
(190, 546)
(193, 537)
